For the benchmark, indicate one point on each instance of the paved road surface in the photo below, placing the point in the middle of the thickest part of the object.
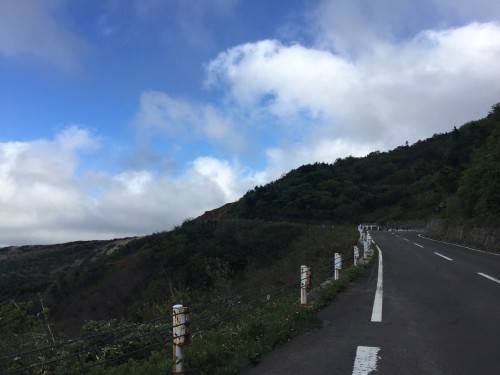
(440, 315)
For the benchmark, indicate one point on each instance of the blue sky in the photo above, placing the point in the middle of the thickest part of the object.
(122, 118)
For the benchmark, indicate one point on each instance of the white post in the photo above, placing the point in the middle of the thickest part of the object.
(180, 336)
(305, 284)
(356, 255)
(178, 353)
(338, 265)
(369, 244)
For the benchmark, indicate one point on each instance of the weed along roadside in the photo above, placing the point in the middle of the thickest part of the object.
(237, 345)
(223, 332)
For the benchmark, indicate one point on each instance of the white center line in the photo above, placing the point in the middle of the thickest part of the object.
(366, 360)
(418, 244)
(377, 302)
(442, 256)
(488, 277)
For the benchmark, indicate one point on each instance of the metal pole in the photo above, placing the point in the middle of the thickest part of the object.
(305, 284)
(180, 336)
(178, 354)
(338, 265)
(369, 244)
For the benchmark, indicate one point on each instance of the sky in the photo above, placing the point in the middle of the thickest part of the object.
(124, 118)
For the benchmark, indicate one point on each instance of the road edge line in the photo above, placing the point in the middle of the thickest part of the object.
(489, 277)
(379, 292)
(454, 244)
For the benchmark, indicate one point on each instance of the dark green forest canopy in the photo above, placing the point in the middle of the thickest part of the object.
(416, 181)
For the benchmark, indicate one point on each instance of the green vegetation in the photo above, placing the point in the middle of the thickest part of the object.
(126, 288)
(478, 191)
(194, 264)
(409, 182)
(226, 349)
(25, 270)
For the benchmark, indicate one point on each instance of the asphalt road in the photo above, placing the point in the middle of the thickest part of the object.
(440, 315)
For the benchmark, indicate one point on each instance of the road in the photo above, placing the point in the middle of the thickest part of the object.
(439, 314)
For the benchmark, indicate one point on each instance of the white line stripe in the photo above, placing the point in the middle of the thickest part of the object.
(442, 256)
(377, 302)
(465, 247)
(366, 360)
(417, 244)
(488, 277)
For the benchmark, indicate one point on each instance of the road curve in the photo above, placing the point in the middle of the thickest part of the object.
(440, 315)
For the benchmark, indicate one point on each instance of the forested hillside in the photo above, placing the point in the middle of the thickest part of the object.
(456, 171)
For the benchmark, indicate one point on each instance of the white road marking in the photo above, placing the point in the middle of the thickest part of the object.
(442, 256)
(417, 244)
(406, 239)
(465, 247)
(377, 302)
(366, 360)
(488, 277)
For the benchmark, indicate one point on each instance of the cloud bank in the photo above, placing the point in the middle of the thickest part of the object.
(47, 198)
(393, 93)
(367, 81)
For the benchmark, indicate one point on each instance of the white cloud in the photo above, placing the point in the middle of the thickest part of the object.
(324, 150)
(184, 120)
(160, 112)
(141, 202)
(354, 27)
(294, 78)
(392, 93)
(231, 178)
(38, 185)
(46, 199)
(134, 183)
(30, 29)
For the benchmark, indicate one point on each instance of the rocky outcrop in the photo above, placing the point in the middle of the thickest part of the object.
(217, 214)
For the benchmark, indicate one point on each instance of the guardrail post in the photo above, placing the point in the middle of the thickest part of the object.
(338, 265)
(180, 336)
(305, 284)
(356, 255)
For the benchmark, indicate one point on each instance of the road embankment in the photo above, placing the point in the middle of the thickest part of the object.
(482, 238)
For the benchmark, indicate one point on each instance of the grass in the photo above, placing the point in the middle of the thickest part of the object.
(237, 345)
(250, 327)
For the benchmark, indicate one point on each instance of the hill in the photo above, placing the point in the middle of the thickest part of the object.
(449, 182)
(25, 270)
(418, 181)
